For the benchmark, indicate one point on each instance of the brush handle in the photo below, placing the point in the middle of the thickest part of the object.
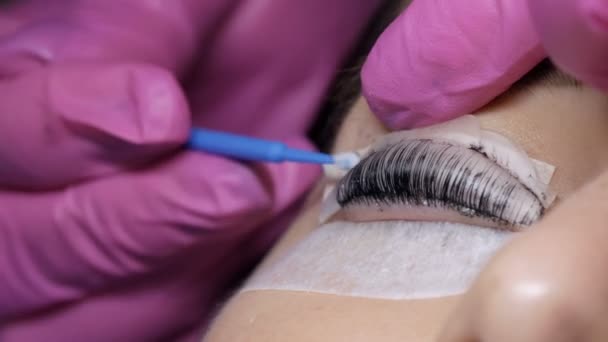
(248, 148)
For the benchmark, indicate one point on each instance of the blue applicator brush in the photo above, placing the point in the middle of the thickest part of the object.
(254, 149)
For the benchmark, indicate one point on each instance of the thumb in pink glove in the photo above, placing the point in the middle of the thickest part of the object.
(69, 123)
(445, 58)
(89, 88)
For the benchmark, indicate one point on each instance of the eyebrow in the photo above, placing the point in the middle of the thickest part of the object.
(426, 173)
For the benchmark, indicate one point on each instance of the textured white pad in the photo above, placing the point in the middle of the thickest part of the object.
(389, 260)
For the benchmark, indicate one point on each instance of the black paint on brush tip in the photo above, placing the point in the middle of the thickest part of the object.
(433, 174)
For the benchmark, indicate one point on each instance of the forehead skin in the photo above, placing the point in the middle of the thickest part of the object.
(565, 126)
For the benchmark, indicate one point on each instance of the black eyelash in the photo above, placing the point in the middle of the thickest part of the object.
(427, 173)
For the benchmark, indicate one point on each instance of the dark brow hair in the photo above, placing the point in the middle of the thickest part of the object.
(544, 74)
(346, 87)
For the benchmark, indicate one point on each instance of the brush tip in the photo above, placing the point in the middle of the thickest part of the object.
(346, 161)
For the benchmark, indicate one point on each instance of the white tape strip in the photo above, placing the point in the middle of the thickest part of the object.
(389, 260)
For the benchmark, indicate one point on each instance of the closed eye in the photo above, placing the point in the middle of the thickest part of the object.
(419, 174)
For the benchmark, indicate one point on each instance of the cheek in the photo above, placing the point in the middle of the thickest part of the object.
(304, 317)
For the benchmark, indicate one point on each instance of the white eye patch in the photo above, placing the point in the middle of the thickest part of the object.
(387, 260)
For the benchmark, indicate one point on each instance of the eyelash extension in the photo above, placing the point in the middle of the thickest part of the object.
(433, 174)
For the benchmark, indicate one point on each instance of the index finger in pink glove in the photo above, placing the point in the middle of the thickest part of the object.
(445, 58)
(575, 35)
(93, 84)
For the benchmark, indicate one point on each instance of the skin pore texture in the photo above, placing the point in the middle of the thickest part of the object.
(564, 126)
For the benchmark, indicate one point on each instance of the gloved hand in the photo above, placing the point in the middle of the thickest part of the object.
(575, 34)
(94, 191)
(441, 58)
(548, 285)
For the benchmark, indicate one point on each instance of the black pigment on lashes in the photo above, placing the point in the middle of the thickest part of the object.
(427, 173)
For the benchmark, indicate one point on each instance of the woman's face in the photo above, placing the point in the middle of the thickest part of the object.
(560, 125)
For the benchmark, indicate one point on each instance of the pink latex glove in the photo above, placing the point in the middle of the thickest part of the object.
(106, 232)
(444, 58)
(575, 35)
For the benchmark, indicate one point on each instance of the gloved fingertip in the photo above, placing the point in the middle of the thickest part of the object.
(137, 104)
(393, 116)
(162, 107)
(401, 119)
